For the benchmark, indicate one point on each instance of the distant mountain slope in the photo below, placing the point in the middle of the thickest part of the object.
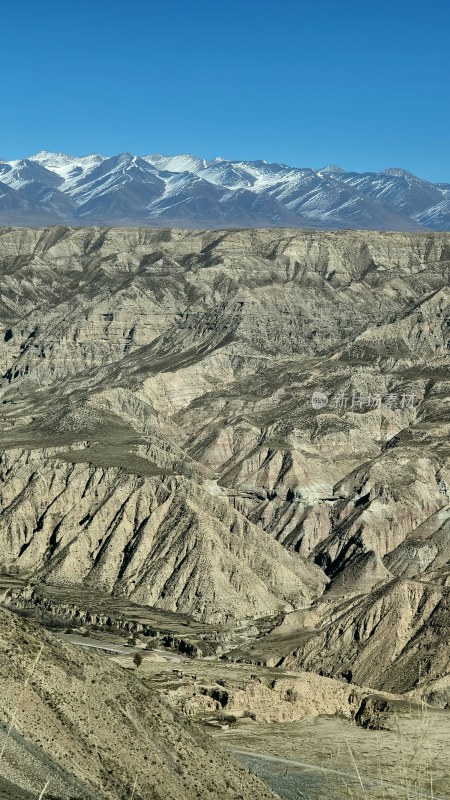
(188, 191)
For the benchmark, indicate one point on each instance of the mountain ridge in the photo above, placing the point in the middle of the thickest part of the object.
(185, 190)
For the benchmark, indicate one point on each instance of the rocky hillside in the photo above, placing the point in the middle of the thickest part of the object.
(160, 541)
(229, 424)
(82, 728)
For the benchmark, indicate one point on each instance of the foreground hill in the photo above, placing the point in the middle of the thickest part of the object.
(86, 729)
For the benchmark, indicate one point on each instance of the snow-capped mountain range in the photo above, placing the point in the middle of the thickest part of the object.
(187, 191)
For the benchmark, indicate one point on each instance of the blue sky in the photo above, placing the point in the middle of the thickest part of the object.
(364, 85)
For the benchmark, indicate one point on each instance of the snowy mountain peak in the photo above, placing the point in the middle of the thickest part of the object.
(185, 162)
(331, 169)
(398, 172)
(67, 167)
(46, 157)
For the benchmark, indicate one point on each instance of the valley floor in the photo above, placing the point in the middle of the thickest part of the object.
(331, 757)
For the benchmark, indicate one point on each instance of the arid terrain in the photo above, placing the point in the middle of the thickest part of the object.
(235, 446)
(84, 727)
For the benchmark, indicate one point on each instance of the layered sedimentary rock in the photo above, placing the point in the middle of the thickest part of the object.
(161, 541)
(226, 423)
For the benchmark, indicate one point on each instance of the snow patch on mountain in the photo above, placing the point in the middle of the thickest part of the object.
(185, 162)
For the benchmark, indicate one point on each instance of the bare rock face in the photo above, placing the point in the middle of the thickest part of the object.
(266, 699)
(228, 423)
(87, 729)
(395, 638)
(160, 541)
